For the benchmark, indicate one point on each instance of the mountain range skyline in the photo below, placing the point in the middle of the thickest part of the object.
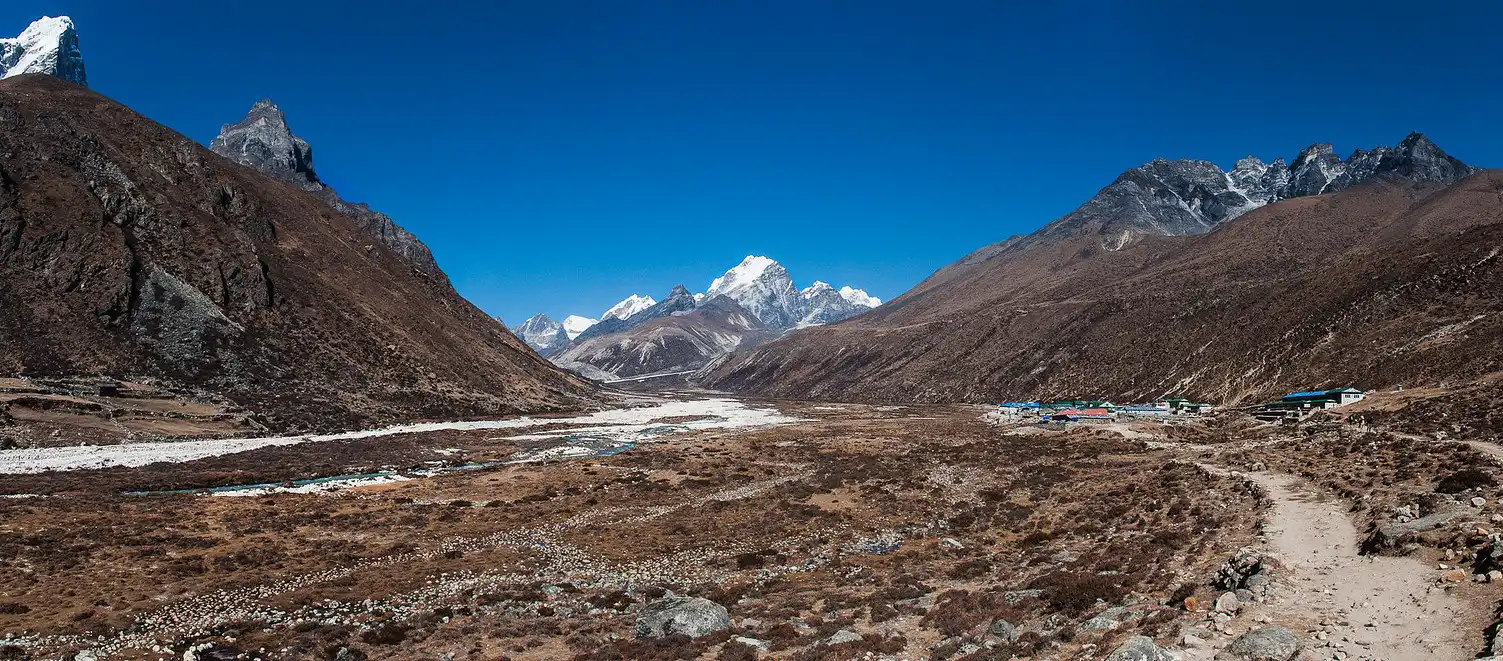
(866, 150)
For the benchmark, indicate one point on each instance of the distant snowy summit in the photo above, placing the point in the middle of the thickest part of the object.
(759, 288)
(628, 307)
(50, 46)
(764, 288)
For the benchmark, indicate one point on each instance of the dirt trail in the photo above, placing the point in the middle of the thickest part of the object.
(1376, 607)
(1489, 449)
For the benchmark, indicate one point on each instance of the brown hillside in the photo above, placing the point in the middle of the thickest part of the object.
(126, 248)
(1388, 282)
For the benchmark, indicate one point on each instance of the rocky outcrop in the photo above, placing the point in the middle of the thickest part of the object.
(688, 616)
(48, 46)
(264, 141)
(1187, 197)
(126, 248)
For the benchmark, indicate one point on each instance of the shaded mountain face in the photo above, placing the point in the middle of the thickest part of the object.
(679, 300)
(264, 141)
(48, 46)
(679, 341)
(1389, 280)
(543, 334)
(127, 249)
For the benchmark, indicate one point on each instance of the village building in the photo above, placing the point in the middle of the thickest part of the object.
(1324, 399)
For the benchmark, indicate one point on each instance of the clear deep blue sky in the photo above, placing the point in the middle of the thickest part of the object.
(558, 155)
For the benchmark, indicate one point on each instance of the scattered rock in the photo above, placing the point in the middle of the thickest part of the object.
(1478, 502)
(951, 543)
(1109, 618)
(754, 643)
(1016, 596)
(1266, 644)
(1453, 576)
(1139, 648)
(842, 637)
(1237, 570)
(690, 616)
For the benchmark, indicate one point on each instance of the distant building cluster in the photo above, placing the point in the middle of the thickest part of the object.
(1294, 405)
(1100, 411)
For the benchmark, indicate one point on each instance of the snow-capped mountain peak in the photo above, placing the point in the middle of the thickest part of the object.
(542, 333)
(629, 306)
(575, 324)
(49, 45)
(741, 275)
(859, 297)
(763, 287)
(815, 289)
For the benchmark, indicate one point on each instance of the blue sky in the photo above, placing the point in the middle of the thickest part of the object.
(558, 155)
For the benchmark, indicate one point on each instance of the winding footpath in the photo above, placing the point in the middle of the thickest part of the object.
(1373, 607)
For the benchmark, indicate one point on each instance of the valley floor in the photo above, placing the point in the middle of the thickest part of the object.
(827, 531)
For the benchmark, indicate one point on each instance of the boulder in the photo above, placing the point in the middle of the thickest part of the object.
(1003, 631)
(1109, 618)
(1266, 644)
(690, 616)
(1228, 603)
(1395, 537)
(1139, 648)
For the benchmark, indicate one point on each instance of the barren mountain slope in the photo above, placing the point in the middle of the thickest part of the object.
(126, 248)
(1384, 283)
(676, 342)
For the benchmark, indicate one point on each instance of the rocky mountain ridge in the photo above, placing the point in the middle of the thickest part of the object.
(1186, 197)
(264, 141)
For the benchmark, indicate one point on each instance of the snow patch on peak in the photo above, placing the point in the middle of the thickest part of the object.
(859, 297)
(815, 289)
(575, 324)
(50, 46)
(742, 274)
(629, 306)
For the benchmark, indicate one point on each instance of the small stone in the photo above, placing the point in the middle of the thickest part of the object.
(951, 543)
(754, 643)
(1478, 502)
(1453, 576)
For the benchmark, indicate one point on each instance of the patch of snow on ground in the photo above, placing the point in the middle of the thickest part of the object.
(717, 413)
